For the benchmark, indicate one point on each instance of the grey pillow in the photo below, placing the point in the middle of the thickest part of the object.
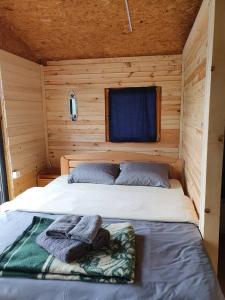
(145, 174)
(102, 173)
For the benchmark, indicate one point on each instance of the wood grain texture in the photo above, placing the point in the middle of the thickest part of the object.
(10, 42)
(65, 29)
(213, 139)
(204, 118)
(69, 162)
(22, 113)
(89, 79)
(194, 92)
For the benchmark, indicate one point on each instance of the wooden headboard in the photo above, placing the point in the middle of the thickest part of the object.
(68, 162)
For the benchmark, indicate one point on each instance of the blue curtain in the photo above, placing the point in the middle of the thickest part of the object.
(132, 115)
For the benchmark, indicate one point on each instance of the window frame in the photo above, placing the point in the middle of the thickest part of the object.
(158, 112)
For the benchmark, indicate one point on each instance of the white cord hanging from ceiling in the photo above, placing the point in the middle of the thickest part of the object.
(128, 16)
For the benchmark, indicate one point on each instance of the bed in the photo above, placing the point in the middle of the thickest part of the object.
(171, 262)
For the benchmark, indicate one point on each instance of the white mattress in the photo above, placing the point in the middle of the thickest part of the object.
(110, 201)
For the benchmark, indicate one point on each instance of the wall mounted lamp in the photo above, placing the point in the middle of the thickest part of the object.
(73, 106)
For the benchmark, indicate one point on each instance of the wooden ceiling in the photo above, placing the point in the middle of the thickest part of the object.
(69, 29)
(12, 43)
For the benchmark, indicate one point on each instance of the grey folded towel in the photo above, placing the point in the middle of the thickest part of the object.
(64, 249)
(68, 250)
(87, 229)
(61, 226)
(101, 240)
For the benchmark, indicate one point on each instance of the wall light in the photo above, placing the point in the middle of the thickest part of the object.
(73, 106)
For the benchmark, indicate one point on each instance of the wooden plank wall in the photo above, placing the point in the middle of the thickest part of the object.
(194, 91)
(215, 128)
(204, 118)
(22, 112)
(88, 78)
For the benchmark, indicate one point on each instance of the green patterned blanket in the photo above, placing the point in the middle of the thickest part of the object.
(116, 264)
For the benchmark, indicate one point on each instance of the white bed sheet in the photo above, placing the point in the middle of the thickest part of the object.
(109, 201)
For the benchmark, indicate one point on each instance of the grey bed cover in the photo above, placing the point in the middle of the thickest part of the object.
(171, 264)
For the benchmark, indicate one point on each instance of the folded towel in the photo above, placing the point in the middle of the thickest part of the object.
(68, 250)
(101, 240)
(61, 226)
(64, 249)
(87, 229)
(115, 265)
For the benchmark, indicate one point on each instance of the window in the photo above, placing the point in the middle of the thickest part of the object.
(133, 114)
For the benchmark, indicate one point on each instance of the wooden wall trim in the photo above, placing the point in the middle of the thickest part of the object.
(112, 60)
(44, 113)
(107, 115)
(181, 111)
(158, 111)
(8, 162)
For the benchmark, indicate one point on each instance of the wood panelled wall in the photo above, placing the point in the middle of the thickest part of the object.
(88, 78)
(203, 118)
(194, 103)
(23, 123)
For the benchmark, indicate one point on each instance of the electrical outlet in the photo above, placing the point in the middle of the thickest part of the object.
(16, 174)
